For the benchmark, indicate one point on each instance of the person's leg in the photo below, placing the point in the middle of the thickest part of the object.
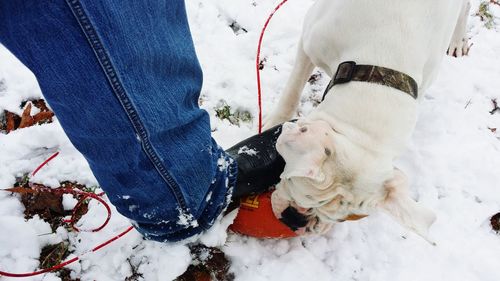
(124, 80)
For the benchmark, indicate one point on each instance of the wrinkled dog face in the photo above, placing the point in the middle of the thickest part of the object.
(309, 181)
(305, 145)
(317, 183)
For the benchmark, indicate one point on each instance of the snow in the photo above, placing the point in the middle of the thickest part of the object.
(222, 163)
(452, 163)
(216, 236)
(69, 202)
(186, 219)
(246, 150)
(19, 252)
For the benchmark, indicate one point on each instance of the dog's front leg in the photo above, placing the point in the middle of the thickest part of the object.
(291, 95)
(459, 45)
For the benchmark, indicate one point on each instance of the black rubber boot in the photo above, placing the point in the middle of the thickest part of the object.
(259, 164)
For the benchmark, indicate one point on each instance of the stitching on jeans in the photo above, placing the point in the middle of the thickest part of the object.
(116, 85)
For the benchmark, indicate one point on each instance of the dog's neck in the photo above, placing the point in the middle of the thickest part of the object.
(378, 118)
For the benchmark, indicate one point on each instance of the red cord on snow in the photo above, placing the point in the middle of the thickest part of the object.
(97, 197)
(44, 163)
(65, 263)
(84, 195)
(71, 221)
(257, 62)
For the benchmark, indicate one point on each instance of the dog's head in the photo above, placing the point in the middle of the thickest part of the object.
(332, 178)
(305, 146)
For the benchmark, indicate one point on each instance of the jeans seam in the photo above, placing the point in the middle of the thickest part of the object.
(120, 92)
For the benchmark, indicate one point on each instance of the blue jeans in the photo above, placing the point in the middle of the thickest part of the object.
(124, 81)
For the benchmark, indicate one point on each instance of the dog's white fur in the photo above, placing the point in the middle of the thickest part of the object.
(343, 163)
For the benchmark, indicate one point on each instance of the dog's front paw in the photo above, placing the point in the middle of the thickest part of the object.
(459, 48)
(273, 120)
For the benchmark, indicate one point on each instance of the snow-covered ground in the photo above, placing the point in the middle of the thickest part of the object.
(453, 162)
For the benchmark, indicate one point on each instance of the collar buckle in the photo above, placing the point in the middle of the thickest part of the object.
(345, 72)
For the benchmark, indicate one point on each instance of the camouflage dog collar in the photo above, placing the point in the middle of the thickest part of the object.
(349, 71)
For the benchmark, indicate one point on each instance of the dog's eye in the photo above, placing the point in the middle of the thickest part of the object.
(303, 129)
(328, 152)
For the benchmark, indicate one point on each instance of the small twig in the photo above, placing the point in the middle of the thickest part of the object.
(45, 234)
(468, 49)
(495, 106)
(135, 274)
(495, 2)
(468, 103)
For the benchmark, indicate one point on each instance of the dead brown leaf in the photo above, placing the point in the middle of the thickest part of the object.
(48, 205)
(40, 104)
(495, 222)
(21, 190)
(53, 255)
(14, 121)
(65, 275)
(208, 264)
(11, 119)
(42, 117)
(26, 119)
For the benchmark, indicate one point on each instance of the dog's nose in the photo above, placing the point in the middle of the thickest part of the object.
(293, 219)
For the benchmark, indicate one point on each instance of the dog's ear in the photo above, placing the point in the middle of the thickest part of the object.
(403, 208)
(307, 167)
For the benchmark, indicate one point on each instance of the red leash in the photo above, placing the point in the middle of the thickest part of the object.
(257, 62)
(71, 221)
(98, 196)
(65, 263)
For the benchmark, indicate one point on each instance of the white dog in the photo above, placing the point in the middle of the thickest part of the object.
(339, 158)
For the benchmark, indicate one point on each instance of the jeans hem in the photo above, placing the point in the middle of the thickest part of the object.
(220, 196)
